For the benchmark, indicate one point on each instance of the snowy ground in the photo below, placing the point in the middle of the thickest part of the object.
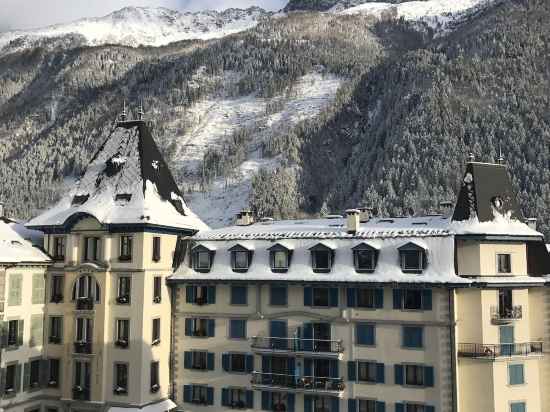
(214, 119)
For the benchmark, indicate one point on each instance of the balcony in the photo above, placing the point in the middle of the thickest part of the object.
(83, 303)
(505, 350)
(311, 347)
(81, 393)
(83, 347)
(503, 315)
(294, 383)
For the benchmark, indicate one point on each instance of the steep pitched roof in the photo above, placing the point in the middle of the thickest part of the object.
(15, 249)
(126, 183)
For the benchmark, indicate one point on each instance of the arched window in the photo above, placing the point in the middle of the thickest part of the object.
(86, 287)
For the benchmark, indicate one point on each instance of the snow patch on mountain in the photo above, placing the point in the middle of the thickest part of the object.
(134, 26)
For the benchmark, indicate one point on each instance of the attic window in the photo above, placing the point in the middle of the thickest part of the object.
(412, 258)
(80, 199)
(202, 258)
(123, 197)
(279, 257)
(241, 258)
(365, 258)
(322, 258)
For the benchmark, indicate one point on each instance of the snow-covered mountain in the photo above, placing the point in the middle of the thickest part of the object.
(134, 26)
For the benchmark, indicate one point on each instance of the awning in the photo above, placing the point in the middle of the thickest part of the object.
(162, 406)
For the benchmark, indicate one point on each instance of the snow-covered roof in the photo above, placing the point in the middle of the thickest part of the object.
(15, 249)
(126, 183)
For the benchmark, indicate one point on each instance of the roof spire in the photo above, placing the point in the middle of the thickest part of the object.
(124, 114)
(500, 159)
(141, 112)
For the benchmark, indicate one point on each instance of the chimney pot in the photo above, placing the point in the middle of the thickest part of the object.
(353, 220)
(532, 222)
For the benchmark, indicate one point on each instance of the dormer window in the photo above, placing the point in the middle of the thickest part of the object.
(322, 258)
(279, 258)
(412, 258)
(241, 258)
(202, 258)
(365, 258)
(504, 261)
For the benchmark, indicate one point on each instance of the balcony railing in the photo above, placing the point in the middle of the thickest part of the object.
(506, 314)
(478, 350)
(83, 347)
(80, 393)
(297, 344)
(84, 303)
(298, 383)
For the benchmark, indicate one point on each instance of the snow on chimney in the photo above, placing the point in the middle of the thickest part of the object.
(365, 213)
(532, 222)
(352, 220)
(244, 218)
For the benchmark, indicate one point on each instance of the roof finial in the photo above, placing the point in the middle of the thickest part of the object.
(124, 114)
(141, 112)
(471, 157)
(500, 155)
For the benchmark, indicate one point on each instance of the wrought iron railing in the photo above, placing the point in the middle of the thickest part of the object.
(83, 347)
(81, 393)
(500, 313)
(306, 383)
(84, 303)
(492, 351)
(297, 344)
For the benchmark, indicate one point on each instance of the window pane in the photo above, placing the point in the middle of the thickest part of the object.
(413, 299)
(241, 260)
(320, 297)
(414, 375)
(365, 298)
(504, 263)
(278, 295)
(237, 362)
(411, 259)
(203, 260)
(364, 259)
(239, 295)
(280, 260)
(321, 259)
(237, 329)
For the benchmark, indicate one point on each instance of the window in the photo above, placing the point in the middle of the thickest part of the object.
(199, 327)
(320, 297)
(237, 362)
(517, 407)
(157, 291)
(241, 258)
(366, 298)
(83, 331)
(364, 258)
(126, 248)
(325, 404)
(366, 371)
(412, 299)
(239, 295)
(15, 332)
(237, 329)
(201, 295)
(34, 373)
(279, 258)
(53, 373)
(122, 333)
(416, 407)
(365, 334)
(156, 249)
(516, 374)
(38, 289)
(198, 360)
(412, 258)
(199, 394)
(124, 290)
(82, 379)
(413, 336)
(155, 339)
(56, 295)
(56, 330)
(37, 330)
(321, 258)
(91, 249)
(237, 398)
(59, 248)
(12, 377)
(202, 258)
(121, 379)
(155, 385)
(414, 375)
(86, 289)
(278, 295)
(367, 405)
(14, 289)
(504, 263)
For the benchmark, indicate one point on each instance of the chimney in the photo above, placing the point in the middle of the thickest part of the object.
(446, 208)
(365, 213)
(531, 222)
(244, 218)
(353, 217)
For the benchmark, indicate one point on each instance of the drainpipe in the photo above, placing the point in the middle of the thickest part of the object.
(171, 374)
(454, 365)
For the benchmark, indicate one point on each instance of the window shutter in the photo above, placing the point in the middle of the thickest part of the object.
(333, 368)
(225, 361)
(291, 401)
(291, 366)
(187, 393)
(3, 336)
(225, 397)
(44, 372)
(266, 367)
(308, 336)
(428, 376)
(266, 401)
(333, 297)
(352, 405)
(211, 325)
(188, 327)
(18, 377)
(36, 330)
(351, 292)
(249, 363)
(399, 407)
(308, 403)
(380, 406)
(239, 295)
(250, 399)
(427, 299)
(352, 371)
(37, 288)
(398, 374)
(210, 396)
(335, 404)
(2, 380)
(379, 298)
(187, 359)
(190, 294)
(397, 298)
(20, 331)
(211, 295)
(380, 375)
(26, 376)
(210, 361)
(428, 408)
(308, 296)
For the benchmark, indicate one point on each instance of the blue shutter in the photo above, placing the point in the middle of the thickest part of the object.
(398, 374)
(278, 329)
(380, 406)
(266, 364)
(399, 407)
(210, 361)
(308, 296)
(190, 294)
(291, 401)
(308, 403)
(308, 337)
(335, 405)
(266, 401)
(412, 336)
(188, 327)
(239, 295)
(187, 360)
(352, 405)
(365, 334)
(333, 297)
(250, 399)
(333, 368)
(211, 326)
(278, 295)
(517, 407)
(211, 295)
(187, 393)
(352, 371)
(225, 361)
(225, 397)
(351, 293)
(380, 373)
(379, 298)
(427, 299)
(291, 366)
(210, 396)
(397, 299)
(429, 408)
(249, 363)
(428, 376)
(308, 367)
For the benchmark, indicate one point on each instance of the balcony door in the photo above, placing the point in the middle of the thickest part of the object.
(507, 340)
(278, 332)
(81, 387)
(504, 302)
(84, 328)
(316, 337)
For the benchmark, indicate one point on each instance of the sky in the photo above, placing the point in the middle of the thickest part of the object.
(25, 14)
